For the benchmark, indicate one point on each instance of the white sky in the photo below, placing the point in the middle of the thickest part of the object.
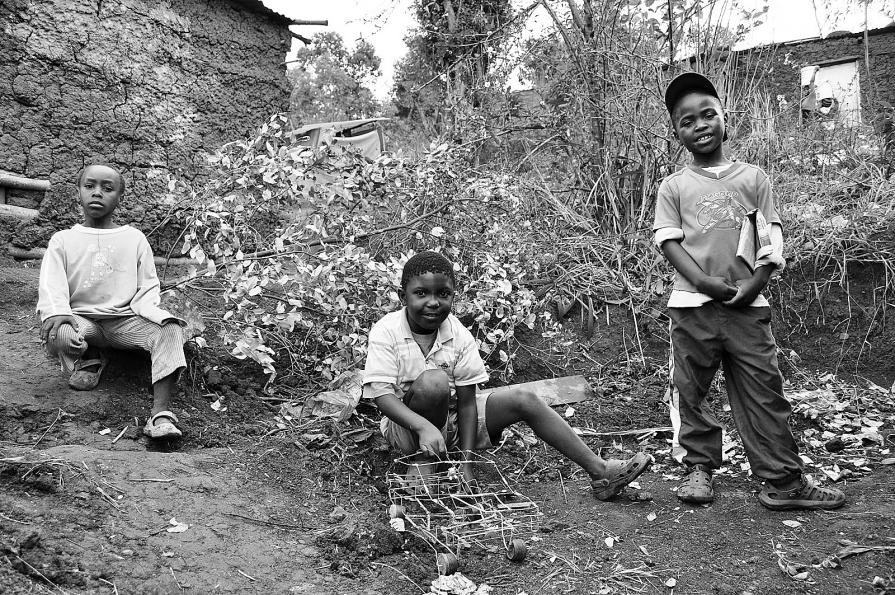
(384, 23)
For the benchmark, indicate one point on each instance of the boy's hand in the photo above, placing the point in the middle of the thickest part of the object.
(50, 326)
(717, 288)
(431, 441)
(748, 289)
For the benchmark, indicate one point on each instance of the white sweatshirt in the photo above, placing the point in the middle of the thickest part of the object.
(99, 273)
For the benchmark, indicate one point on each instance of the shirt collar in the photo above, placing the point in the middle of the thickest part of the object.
(445, 332)
(734, 166)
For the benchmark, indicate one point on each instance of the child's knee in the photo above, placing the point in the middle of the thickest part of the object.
(67, 340)
(432, 386)
(527, 402)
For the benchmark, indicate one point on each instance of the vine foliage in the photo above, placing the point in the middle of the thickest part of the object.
(305, 246)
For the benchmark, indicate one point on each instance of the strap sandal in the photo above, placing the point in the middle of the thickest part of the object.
(619, 473)
(806, 495)
(165, 428)
(697, 486)
(85, 379)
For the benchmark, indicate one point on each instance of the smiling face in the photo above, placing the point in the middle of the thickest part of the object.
(99, 190)
(429, 298)
(699, 124)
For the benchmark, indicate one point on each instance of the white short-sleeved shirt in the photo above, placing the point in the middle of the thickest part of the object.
(394, 358)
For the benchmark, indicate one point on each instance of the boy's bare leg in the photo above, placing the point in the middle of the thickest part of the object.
(162, 391)
(428, 396)
(506, 407)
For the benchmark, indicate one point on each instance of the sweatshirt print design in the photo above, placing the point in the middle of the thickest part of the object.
(101, 264)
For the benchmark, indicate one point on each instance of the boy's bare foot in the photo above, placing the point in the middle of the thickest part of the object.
(619, 473)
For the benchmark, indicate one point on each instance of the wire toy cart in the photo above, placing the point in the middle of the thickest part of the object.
(450, 513)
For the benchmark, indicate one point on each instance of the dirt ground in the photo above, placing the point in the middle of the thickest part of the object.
(251, 501)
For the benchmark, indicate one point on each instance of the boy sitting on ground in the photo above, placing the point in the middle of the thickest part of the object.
(422, 369)
(99, 289)
(718, 315)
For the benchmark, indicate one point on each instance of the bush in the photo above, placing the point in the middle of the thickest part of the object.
(307, 246)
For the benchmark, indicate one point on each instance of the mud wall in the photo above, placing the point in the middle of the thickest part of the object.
(149, 86)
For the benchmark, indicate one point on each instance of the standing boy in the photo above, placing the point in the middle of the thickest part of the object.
(422, 369)
(98, 289)
(718, 315)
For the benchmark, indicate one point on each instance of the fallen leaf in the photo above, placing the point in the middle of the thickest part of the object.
(887, 462)
(796, 572)
(359, 435)
(177, 527)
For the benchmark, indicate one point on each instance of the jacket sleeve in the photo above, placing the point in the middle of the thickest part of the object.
(52, 290)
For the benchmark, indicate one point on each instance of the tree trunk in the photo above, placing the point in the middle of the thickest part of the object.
(451, 15)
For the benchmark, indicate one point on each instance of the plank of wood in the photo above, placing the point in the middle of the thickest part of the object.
(38, 253)
(20, 213)
(11, 180)
(635, 432)
(558, 391)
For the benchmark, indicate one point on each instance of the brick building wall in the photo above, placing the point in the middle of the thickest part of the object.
(877, 89)
(149, 86)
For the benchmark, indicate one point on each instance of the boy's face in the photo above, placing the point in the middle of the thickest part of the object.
(699, 123)
(99, 191)
(429, 298)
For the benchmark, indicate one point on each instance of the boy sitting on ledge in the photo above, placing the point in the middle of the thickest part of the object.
(99, 289)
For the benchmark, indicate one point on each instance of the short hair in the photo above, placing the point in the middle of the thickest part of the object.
(427, 262)
(80, 175)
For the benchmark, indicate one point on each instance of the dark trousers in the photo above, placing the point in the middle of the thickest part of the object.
(740, 340)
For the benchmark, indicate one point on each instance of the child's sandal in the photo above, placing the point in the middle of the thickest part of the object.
(82, 378)
(165, 428)
(806, 496)
(697, 486)
(618, 475)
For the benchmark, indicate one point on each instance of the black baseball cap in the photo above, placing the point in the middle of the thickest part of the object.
(687, 83)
